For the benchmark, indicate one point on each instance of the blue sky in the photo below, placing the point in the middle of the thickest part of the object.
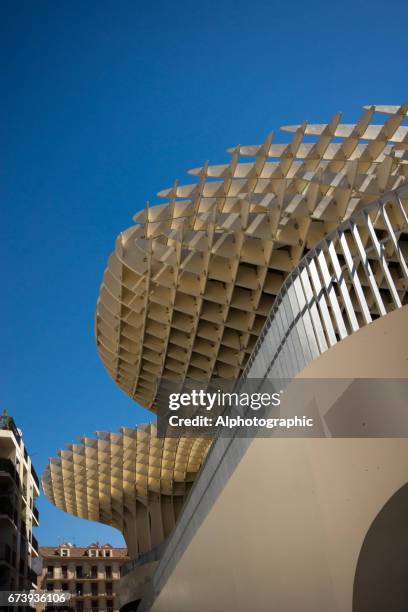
(104, 104)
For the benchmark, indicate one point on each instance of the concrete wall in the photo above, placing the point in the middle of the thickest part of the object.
(286, 532)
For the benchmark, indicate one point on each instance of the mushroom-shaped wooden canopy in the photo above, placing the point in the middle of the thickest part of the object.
(131, 480)
(189, 286)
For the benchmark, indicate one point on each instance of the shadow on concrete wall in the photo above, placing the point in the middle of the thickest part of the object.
(381, 579)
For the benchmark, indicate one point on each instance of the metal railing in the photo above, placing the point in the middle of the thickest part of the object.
(36, 514)
(7, 423)
(35, 477)
(7, 466)
(153, 555)
(357, 274)
(34, 543)
(33, 576)
(23, 528)
(5, 553)
(6, 506)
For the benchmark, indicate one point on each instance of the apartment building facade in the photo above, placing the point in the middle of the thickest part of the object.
(89, 574)
(19, 487)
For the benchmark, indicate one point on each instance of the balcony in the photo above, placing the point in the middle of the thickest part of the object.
(34, 543)
(86, 576)
(23, 545)
(8, 424)
(8, 467)
(6, 506)
(36, 515)
(33, 576)
(6, 487)
(5, 554)
(35, 477)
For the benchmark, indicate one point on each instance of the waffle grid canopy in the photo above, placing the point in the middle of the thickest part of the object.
(189, 286)
(122, 478)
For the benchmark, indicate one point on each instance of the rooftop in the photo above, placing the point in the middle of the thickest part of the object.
(82, 551)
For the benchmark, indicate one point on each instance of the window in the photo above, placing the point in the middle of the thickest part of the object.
(108, 571)
(109, 588)
(94, 588)
(79, 606)
(79, 587)
(108, 553)
(64, 552)
(50, 571)
(109, 605)
(94, 571)
(50, 586)
(92, 552)
(64, 571)
(78, 570)
(64, 586)
(94, 605)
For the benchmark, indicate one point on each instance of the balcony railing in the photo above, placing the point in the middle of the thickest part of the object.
(300, 305)
(8, 424)
(6, 506)
(35, 477)
(33, 577)
(8, 467)
(5, 554)
(23, 545)
(153, 555)
(34, 543)
(36, 514)
(23, 527)
(7, 488)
